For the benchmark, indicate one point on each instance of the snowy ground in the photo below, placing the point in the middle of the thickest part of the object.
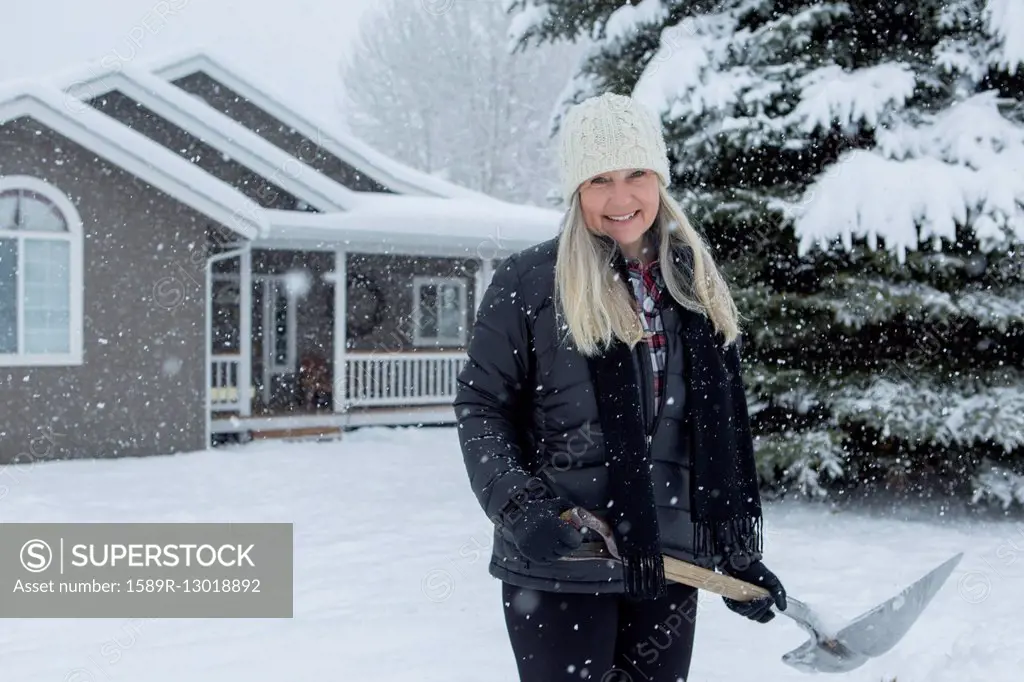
(391, 581)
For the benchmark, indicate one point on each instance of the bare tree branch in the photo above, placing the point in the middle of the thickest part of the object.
(442, 93)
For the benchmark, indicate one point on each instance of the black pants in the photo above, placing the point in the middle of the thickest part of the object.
(558, 637)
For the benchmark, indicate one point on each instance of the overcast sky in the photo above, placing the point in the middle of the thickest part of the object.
(295, 45)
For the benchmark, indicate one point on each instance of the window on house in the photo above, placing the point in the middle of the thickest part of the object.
(439, 311)
(40, 275)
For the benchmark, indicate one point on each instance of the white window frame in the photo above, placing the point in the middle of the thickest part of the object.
(418, 338)
(73, 220)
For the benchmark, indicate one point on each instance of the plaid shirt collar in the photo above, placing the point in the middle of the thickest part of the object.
(649, 276)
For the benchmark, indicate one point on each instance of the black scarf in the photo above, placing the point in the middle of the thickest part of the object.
(725, 499)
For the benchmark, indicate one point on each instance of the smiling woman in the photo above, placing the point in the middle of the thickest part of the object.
(622, 204)
(604, 374)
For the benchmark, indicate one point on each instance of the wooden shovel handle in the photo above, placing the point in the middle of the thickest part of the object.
(702, 578)
(676, 570)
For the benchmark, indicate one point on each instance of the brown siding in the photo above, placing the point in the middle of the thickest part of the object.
(392, 278)
(143, 120)
(232, 104)
(140, 390)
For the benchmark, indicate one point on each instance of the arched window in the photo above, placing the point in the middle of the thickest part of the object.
(40, 275)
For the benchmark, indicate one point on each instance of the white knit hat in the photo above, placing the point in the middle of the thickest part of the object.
(609, 132)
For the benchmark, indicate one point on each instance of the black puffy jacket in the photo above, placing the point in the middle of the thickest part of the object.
(524, 408)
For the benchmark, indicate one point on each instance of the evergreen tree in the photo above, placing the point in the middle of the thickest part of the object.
(857, 169)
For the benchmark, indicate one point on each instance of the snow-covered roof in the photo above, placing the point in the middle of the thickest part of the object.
(485, 228)
(132, 151)
(212, 127)
(397, 176)
(436, 217)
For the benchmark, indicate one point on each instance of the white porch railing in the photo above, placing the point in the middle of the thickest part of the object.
(224, 382)
(398, 379)
(371, 379)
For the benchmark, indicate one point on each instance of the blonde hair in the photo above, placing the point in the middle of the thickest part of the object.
(594, 304)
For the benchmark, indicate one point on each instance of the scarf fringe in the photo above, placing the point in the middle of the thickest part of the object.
(743, 534)
(644, 576)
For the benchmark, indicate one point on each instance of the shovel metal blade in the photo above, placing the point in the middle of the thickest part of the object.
(880, 629)
(822, 653)
(870, 634)
(812, 657)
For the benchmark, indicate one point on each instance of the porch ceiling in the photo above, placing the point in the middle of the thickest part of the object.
(416, 226)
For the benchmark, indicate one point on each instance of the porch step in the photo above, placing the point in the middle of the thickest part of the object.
(298, 433)
(227, 423)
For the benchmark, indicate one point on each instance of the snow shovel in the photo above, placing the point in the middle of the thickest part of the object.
(830, 649)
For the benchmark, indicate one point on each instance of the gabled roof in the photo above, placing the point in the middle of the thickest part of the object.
(133, 152)
(212, 127)
(432, 217)
(397, 176)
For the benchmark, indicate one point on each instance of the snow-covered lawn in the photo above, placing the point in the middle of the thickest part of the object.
(391, 581)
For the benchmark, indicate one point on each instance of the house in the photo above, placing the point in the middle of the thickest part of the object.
(176, 244)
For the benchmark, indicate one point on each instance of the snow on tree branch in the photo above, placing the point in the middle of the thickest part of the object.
(972, 132)
(628, 19)
(908, 202)
(832, 94)
(867, 195)
(960, 166)
(945, 414)
(801, 459)
(689, 52)
(526, 22)
(1005, 20)
(994, 483)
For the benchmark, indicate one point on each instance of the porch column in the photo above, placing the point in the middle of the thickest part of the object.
(483, 279)
(245, 332)
(340, 378)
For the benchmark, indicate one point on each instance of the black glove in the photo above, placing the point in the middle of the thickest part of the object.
(756, 573)
(540, 534)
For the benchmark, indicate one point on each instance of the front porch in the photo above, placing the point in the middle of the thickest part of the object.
(390, 389)
(283, 362)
